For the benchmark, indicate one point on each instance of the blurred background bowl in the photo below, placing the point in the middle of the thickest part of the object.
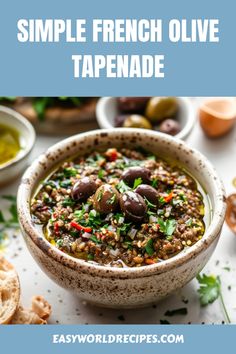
(107, 110)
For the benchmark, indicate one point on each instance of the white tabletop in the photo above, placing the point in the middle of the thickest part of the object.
(68, 309)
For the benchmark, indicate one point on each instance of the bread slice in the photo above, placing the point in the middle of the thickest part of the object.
(38, 314)
(41, 307)
(9, 291)
(26, 316)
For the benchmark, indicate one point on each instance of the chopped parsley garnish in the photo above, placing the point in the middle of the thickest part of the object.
(154, 182)
(68, 202)
(50, 183)
(227, 269)
(181, 311)
(90, 257)
(94, 239)
(149, 247)
(12, 209)
(70, 172)
(101, 174)
(167, 226)
(210, 290)
(94, 219)
(112, 199)
(137, 182)
(149, 204)
(189, 222)
(122, 187)
(66, 183)
(151, 157)
(12, 221)
(99, 197)
(123, 229)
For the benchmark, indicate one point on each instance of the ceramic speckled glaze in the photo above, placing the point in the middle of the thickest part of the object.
(122, 287)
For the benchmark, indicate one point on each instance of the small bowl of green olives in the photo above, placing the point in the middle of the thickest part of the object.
(170, 115)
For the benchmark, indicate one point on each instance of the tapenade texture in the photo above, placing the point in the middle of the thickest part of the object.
(120, 208)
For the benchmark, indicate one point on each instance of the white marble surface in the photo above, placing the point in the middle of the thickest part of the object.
(67, 309)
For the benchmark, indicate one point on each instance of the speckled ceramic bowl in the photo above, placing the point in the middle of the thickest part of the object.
(122, 287)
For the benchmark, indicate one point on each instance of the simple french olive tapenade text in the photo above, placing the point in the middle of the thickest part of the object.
(120, 208)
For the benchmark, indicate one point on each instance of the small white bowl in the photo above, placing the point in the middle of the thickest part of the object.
(13, 168)
(107, 110)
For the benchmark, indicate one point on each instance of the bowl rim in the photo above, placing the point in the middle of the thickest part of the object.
(104, 122)
(29, 230)
(19, 117)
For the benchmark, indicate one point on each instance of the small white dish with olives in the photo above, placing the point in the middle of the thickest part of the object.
(171, 115)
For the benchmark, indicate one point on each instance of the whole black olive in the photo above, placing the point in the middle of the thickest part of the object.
(170, 126)
(106, 199)
(133, 206)
(132, 104)
(119, 120)
(131, 174)
(83, 189)
(148, 192)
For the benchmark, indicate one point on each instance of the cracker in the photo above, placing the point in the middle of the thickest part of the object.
(9, 291)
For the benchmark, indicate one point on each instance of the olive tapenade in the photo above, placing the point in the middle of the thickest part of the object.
(120, 208)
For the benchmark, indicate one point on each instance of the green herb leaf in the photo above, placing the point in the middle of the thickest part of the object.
(209, 289)
(181, 311)
(10, 198)
(122, 187)
(189, 222)
(149, 247)
(94, 219)
(154, 182)
(68, 202)
(2, 219)
(123, 230)
(227, 269)
(94, 239)
(70, 172)
(137, 182)
(66, 183)
(112, 199)
(168, 226)
(149, 204)
(40, 104)
(151, 157)
(101, 174)
(13, 211)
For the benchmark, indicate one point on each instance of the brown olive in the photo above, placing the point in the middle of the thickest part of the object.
(137, 121)
(159, 108)
(106, 199)
(119, 120)
(83, 189)
(132, 104)
(133, 206)
(148, 192)
(170, 126)
(132, 173)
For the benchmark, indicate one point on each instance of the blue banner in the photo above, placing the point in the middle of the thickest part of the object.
(126, 339)
(192, 46)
